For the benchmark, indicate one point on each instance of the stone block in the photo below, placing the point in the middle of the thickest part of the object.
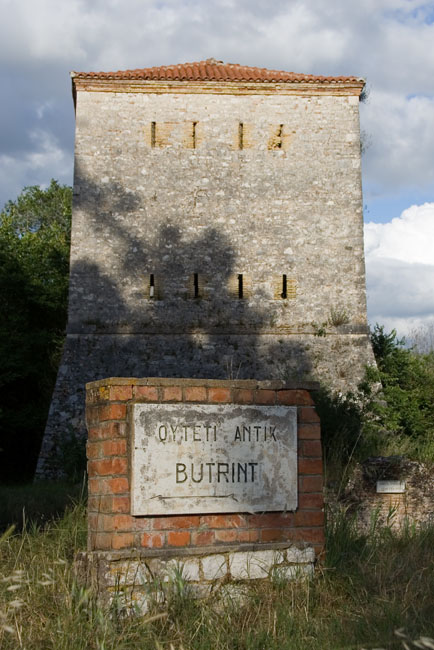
(300, 555)
(253, 565)
(186, 569)
(214, 567)
(294, 572)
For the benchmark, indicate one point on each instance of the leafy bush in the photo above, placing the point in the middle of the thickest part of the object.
(391, 413)
(34, 267)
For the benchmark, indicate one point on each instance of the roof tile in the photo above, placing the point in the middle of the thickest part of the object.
(213, 70)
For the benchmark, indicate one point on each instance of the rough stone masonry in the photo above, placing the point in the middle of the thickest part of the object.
(217, 231)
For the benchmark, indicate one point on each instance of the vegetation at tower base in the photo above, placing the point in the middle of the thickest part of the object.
(34, 268)
(391, 413)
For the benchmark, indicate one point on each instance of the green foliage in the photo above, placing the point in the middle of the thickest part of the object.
(34, 267)
(407, 381)
(392, 412)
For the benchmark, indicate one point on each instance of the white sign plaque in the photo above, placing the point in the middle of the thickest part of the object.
(390, 487)
(204, 458)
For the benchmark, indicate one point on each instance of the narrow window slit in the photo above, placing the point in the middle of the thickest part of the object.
(193, 135)
(196, 285)
(240, 135)
(240, 286)
(279, 140)
(284, 293)
(151, 286)
(153, 133)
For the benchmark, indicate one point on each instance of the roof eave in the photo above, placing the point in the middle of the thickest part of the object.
(310, 87)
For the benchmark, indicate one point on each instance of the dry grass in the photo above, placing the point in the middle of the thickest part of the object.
(374, 592)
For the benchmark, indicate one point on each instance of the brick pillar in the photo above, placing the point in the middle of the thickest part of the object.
(111, 526)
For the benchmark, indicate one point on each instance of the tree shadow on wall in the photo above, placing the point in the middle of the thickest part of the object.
(149, 300)
(170, 300)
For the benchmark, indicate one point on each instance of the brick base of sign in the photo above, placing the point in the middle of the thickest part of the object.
(123, 548)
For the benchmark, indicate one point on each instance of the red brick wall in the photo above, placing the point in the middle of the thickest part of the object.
(109, 521)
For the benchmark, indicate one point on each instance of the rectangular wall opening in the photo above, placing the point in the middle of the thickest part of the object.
(153, 133)
(284, 293)
(240, 286)
(151, 286)
(194, 136)
(240, 136)
(279, 137)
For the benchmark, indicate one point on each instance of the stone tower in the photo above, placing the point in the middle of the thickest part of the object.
(217, 230)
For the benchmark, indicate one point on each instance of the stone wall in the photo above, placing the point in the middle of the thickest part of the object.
(214, 236)
(413, 506)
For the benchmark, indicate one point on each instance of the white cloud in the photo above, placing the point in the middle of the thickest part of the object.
(400, 269)
(31, 167)
(401, 133)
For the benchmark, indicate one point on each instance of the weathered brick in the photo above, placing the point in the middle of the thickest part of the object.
(314, 535)
(100, 541)
(107, 466)
(112, 412)
(172, 393)
(118, 485)
(226, 535)
(271, 520)
(243, 396)
(93, 520)
(219, 395)
(307, 414)
(120, 393)
(100, 503)
(195, 394)
(309, 518)
(121, 504)
(309, 431)
(265, 397)
(311, 500)
(114, 447)
(202, 537)
(248, 535)
(146, 393)
(178, 538)
(288, 397)
(123, 522)
(274, 534)
(122, 540)
(152, 540)
(310, 483)
(176, 521)
(93, 450)
(310, 448)
(294, 398)
(92, 415)
(95, 485)
(223, 521)
(309, 466)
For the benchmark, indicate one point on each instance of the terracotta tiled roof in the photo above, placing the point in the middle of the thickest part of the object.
(212, 70)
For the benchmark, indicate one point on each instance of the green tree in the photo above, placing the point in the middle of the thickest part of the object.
(408, 385)
(34, 266)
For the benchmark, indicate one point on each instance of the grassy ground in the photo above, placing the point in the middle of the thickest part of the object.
(37, 503)
(371, 590)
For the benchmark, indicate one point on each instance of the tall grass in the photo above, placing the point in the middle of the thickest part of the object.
(371, 589)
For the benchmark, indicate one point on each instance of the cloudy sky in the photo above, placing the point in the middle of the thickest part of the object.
(389, 42)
